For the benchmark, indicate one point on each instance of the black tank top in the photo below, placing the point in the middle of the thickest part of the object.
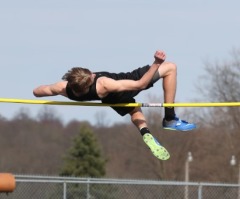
(92, 93)
(115, 97)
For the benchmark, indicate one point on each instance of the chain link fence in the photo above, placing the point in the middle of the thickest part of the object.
(44, 187)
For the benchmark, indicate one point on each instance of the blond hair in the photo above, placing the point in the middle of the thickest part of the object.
(79, 79)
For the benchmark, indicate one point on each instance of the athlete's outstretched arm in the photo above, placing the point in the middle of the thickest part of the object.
(108, 85)
(58, 88)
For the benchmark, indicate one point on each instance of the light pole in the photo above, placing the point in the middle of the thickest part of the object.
(188, 160)
(233, 162)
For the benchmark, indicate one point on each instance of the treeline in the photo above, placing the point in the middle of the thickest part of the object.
(37, 146)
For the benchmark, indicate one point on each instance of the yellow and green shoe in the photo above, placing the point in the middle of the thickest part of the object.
(158, 151)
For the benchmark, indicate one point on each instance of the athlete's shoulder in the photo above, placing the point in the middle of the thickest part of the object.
(103, 80)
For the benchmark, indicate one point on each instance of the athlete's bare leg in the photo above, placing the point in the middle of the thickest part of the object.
(168, 71)
(139, 121)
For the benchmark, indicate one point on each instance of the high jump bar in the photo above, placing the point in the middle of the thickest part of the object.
(46, 102)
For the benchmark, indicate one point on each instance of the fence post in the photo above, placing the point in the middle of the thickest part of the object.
(200, 191)
(88, 189)
(64, 190)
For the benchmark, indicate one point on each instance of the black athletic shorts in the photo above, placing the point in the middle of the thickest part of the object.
(128, 96)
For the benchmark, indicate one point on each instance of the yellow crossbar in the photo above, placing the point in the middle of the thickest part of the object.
(203, 104)
(46, 102)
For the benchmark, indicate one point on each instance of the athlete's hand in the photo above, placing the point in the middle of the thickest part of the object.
(159, 56)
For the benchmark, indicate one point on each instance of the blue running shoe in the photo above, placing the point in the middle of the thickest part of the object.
(157, 150)
(177, 124)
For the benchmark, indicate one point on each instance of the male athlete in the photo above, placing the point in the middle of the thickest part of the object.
(80, 84)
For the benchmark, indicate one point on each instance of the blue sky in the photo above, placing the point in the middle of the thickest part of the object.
(41, 40)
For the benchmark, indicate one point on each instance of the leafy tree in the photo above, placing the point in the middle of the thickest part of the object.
(84, 158)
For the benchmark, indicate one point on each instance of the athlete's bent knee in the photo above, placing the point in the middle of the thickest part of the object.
(171, 66)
